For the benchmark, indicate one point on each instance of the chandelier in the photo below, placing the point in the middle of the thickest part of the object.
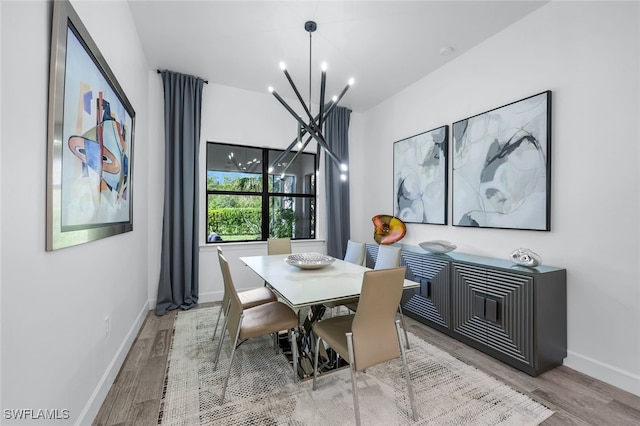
(311, 126)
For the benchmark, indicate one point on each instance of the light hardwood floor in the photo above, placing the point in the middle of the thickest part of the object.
(577, 399)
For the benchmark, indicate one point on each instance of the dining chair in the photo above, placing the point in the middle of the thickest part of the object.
(370, 336)
(355, 252)
(278, 246)
(388, 257)
(248, 298)
(243, 324)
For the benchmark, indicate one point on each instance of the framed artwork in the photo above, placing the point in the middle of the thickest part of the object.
(420, 177)
(502, 166)
(90, 140)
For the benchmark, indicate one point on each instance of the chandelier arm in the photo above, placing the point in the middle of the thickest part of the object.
(323, 82)
(320, 139)
(304, 125)
(317, 136)
(296, 155)
(335, 103)
(291, 145)
(297, 92)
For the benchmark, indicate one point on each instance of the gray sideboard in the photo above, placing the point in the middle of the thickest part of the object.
(513, 313)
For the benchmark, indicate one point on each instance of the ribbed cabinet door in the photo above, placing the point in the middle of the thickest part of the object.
(495, 307)
(371, 255)
(432, 300)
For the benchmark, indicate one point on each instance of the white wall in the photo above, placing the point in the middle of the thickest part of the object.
(588, 54)
(54, 351)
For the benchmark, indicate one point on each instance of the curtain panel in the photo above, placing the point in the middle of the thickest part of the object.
(337, 191)
(178, 284)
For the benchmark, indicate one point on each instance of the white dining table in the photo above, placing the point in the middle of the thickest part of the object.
(307, 287)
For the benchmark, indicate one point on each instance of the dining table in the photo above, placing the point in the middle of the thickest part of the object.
(301, 287)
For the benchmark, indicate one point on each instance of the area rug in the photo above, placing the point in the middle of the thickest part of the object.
(262, 391)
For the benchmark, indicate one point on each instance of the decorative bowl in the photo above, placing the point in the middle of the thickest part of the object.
(309, 260)
(438, 246)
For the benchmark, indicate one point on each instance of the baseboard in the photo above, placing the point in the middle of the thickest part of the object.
(98, 396)
(614, 376)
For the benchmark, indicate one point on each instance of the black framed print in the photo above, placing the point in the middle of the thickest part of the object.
(420, 177)
(502, 166)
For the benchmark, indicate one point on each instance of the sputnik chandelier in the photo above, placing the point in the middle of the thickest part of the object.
(313, 128)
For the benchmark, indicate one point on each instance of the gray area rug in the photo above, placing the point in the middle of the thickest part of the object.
(262, 391)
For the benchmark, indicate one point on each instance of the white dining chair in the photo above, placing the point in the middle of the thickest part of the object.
(278, 246)
(388, 257)
(355, 252)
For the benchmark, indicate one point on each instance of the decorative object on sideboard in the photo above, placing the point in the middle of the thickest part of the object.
(525, 257)
(420, 177)
(388, 229)
(438, 246)
(314, 126)
(501, 166)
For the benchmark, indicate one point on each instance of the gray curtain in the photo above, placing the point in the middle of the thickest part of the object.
(178, 286)
(337, 191)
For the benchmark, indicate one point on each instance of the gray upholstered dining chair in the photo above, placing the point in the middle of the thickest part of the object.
(248, 298)
(243, 324)
(355, 252)
(278, 246)
(388, 257)
(370, 336)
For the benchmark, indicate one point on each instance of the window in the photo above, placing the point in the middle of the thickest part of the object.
(247, 203)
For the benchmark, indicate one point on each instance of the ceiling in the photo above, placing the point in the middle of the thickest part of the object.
(384, 45)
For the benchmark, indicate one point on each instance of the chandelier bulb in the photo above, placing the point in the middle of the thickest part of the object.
(343, 177)
(323, 66)
(270, 170)
(351, 81)
(335, 98)
(343, 167)
(283, 66)
(270, 89)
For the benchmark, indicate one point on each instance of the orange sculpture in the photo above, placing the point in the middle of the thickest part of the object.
(388, 229)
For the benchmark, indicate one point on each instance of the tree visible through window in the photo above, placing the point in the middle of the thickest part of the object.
(240, 207)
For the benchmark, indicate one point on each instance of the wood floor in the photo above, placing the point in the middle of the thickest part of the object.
(134, 397)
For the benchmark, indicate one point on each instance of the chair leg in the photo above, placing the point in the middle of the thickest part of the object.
(406, 335)
(224, 327)
(315, 363)
(405, 368)
(215, 329)
(233, 352)
(226, 310)
(354, 386)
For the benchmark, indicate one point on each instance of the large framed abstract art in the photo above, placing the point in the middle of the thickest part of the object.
(90, 140)
(420, 177)
(502, 166)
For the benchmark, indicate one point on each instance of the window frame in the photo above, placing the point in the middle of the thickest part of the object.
(265, 194)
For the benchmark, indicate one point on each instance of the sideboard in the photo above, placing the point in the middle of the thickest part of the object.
(514, 313)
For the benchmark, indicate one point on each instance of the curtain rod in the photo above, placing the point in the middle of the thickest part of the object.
(205, 81)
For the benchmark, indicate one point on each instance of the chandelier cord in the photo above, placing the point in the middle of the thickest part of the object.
(310, 47)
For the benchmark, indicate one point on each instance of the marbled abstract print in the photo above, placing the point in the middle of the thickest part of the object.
(501, 166)
(420, 177)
